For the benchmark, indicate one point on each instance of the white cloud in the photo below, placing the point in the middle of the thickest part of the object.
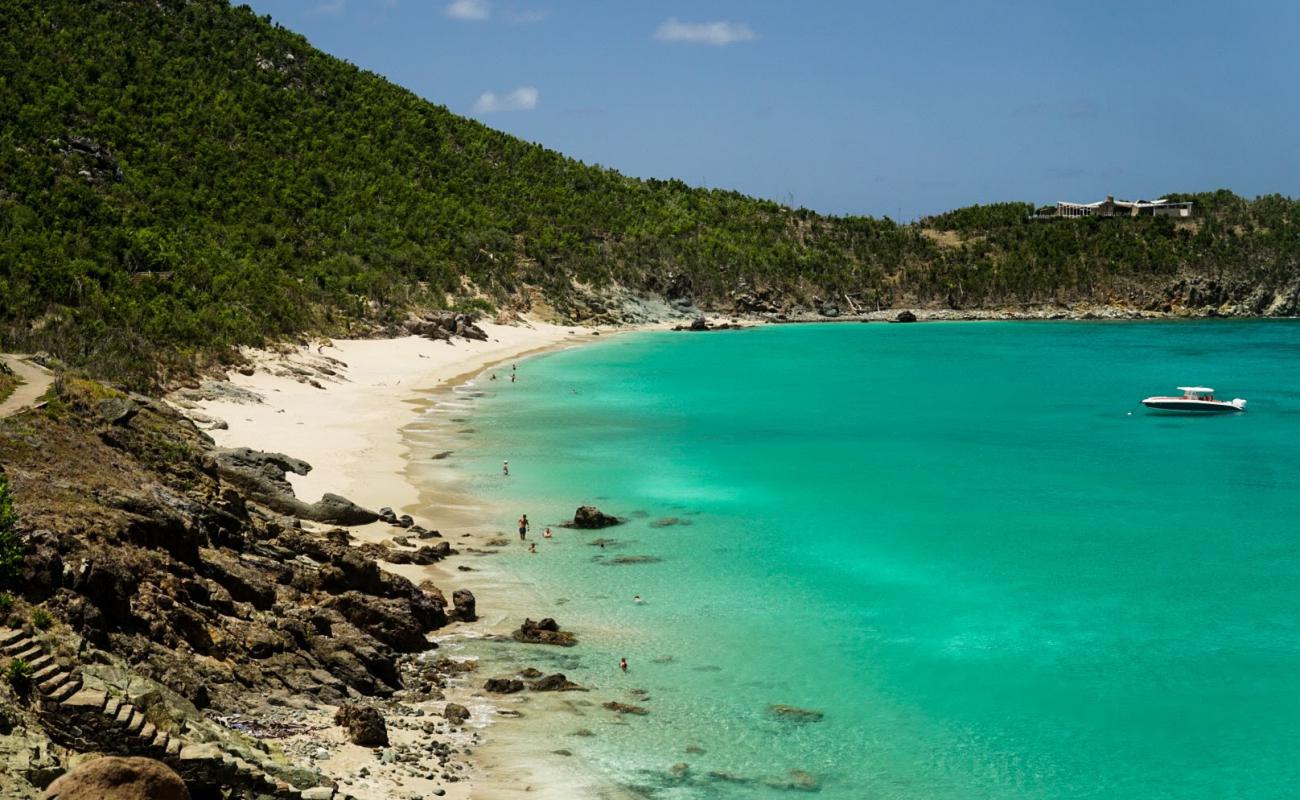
(718, 34)
(474, 10)
(522, 99)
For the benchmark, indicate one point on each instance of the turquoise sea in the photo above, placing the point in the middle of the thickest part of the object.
(965, 544)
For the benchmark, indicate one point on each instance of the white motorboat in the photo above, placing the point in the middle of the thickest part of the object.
(1195, 400)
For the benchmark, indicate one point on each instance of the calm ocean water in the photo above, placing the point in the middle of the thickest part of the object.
(953, 540)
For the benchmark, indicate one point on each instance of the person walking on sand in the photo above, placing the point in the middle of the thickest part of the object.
(622, 664)
(523, 527)
(505, 468)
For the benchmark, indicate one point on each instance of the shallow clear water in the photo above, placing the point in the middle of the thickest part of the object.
(954, 540)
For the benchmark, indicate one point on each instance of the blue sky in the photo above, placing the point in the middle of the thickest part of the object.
(898, 109)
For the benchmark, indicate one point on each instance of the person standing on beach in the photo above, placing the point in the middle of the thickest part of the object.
(523, 527)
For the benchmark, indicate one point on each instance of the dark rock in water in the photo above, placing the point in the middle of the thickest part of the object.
(530, 672)
(364, 724)
(625, 560)
(905, 316)
(117, 410)
(592, 518)
(668, 522)
(465, 606)
(795, 714)
(455, 713)
(405, 521)
(503, 685)
(624, 708)
(729, 777)
(115, 778)
(555, 683)
(795, 779)
(679, 770)
(545, 631)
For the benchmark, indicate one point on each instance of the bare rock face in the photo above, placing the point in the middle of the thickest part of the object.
(364, 724)
(263, 476)
(592, 518)
(114, 778)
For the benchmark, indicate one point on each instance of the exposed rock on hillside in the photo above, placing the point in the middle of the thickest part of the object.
(263, 477)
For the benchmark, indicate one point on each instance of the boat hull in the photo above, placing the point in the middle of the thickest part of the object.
(1179, 405)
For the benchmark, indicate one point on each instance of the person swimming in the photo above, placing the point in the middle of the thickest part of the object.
(505, 468)
(637, 599)
(546, 534)
(532, 547)
(622, 664)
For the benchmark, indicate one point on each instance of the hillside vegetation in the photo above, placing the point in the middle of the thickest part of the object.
(179, 176)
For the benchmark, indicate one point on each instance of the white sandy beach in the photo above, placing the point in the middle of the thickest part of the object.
(348, 426)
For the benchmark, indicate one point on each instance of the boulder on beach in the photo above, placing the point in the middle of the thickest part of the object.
(592, 518)
(466, 609)
(364, 724)
(905, 316)
(545, 631)
(455, 713)
(114, 778)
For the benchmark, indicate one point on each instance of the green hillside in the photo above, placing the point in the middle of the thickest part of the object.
(177, 176)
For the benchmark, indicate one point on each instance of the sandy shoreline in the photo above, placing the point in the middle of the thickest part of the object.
(345, 407)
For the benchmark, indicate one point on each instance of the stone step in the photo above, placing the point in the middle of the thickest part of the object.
(160, 739)
(41, 661)
(56, 680)
(29, 653)
(65, 692)
(173, 748)
(46, 672)
(147, 732)
(10, 635)
(86, 700)
(18, 644)
(113, 706)
(135, 723)
(123, 714)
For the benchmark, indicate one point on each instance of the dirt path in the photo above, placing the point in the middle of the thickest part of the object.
(36, 380)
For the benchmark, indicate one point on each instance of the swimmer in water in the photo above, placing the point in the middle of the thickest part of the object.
(622, 664)
(637, 599)
(546, 534)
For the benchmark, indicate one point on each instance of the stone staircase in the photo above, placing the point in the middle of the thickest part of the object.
(113, 725)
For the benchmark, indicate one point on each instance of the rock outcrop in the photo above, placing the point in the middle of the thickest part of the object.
(545, 631)
(446, 325)
(466, 608)
(263, 476)
(592, 518)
